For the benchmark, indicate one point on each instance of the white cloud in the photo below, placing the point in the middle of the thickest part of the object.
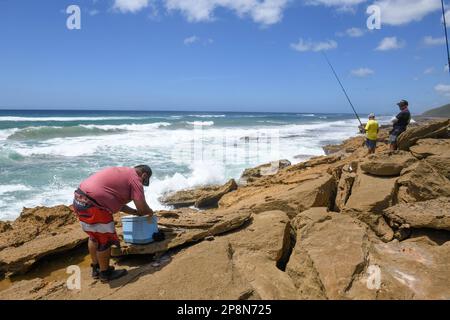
(390, 43)
(304, 46)
(130, 5)
(194, 39)
(400, 12)
(430, 41)
(265, 12)
(93, 12)
(429, 70)
(341, 5)
(354, 32)
(443, 89)
(362, 72)
(191, 40)
(447, 18)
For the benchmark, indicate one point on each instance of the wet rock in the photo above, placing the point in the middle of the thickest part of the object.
(211, 199)
(387, 164)
(421, 182)
(435, 129)
(432, 214)
(268, 169)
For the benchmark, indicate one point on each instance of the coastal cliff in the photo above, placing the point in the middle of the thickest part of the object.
(342, 226)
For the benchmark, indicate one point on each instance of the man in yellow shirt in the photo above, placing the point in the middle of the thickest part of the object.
(372, 128)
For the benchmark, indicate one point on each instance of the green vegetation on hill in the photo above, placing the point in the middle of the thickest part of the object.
(443, 111)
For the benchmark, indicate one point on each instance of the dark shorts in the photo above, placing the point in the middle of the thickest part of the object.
(371, 144)
(97, 222)
(393, 138)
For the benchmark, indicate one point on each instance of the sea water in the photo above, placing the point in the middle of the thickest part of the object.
(44, 155)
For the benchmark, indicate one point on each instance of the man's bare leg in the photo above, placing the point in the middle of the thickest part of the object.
(103, 259)
(93, 251)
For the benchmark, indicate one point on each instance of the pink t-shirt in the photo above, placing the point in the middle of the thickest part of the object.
(114, 187)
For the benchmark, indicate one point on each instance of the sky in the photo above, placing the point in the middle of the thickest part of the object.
(222, 55)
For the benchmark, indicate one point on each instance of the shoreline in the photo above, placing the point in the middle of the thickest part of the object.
(348, 151)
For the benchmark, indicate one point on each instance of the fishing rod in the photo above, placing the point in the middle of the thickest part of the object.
(446, 36)
(343, 89)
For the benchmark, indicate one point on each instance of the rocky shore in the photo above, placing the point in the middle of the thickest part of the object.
(341, 226)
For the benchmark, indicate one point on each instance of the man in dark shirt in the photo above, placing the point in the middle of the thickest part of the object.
(400, 123)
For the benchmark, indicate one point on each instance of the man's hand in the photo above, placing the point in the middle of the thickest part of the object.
(142, 208)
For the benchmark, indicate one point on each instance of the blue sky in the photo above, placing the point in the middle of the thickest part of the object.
(222, 55)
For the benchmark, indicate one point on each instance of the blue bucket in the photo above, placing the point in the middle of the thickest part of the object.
(138, 230)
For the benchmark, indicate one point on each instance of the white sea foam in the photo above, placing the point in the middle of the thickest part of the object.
(9, 188)
(208, 115)
(225, 154)
(201, 123)
(128, 127)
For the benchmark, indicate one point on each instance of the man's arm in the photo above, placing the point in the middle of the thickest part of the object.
(142, 208)
(126, 209)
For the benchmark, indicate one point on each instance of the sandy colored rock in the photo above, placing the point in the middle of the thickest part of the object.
(421, 182)
(432, 214)
(211, 199)
(387, 164)
(431, 147)
(441, 164)
(36, 234)
(261, 250)
(18, 260)
(412, 269)
(434, 129)
(371, 193)
(236, 266)
(186, 198)
(5, 226)
(344, 190)
(375, 221)
(330, 251)
(34, 222)
(251, 174)
(289, 198)
(348, 146)
(190, 226)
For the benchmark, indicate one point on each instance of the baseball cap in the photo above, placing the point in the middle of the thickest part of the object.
(403, 103)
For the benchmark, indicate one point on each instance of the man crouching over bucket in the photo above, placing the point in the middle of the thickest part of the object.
(97, 199)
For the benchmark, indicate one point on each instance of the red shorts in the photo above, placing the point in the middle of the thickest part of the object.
(97, 222)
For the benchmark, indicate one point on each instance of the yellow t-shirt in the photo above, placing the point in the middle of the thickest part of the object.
(372, 130)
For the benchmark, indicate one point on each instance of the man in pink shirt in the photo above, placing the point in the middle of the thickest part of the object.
(97, 199)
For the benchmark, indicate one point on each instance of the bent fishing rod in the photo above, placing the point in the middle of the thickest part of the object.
(446, 35)
(343, 89)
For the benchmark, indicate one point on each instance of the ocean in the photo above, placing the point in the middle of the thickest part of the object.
(44, 155)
